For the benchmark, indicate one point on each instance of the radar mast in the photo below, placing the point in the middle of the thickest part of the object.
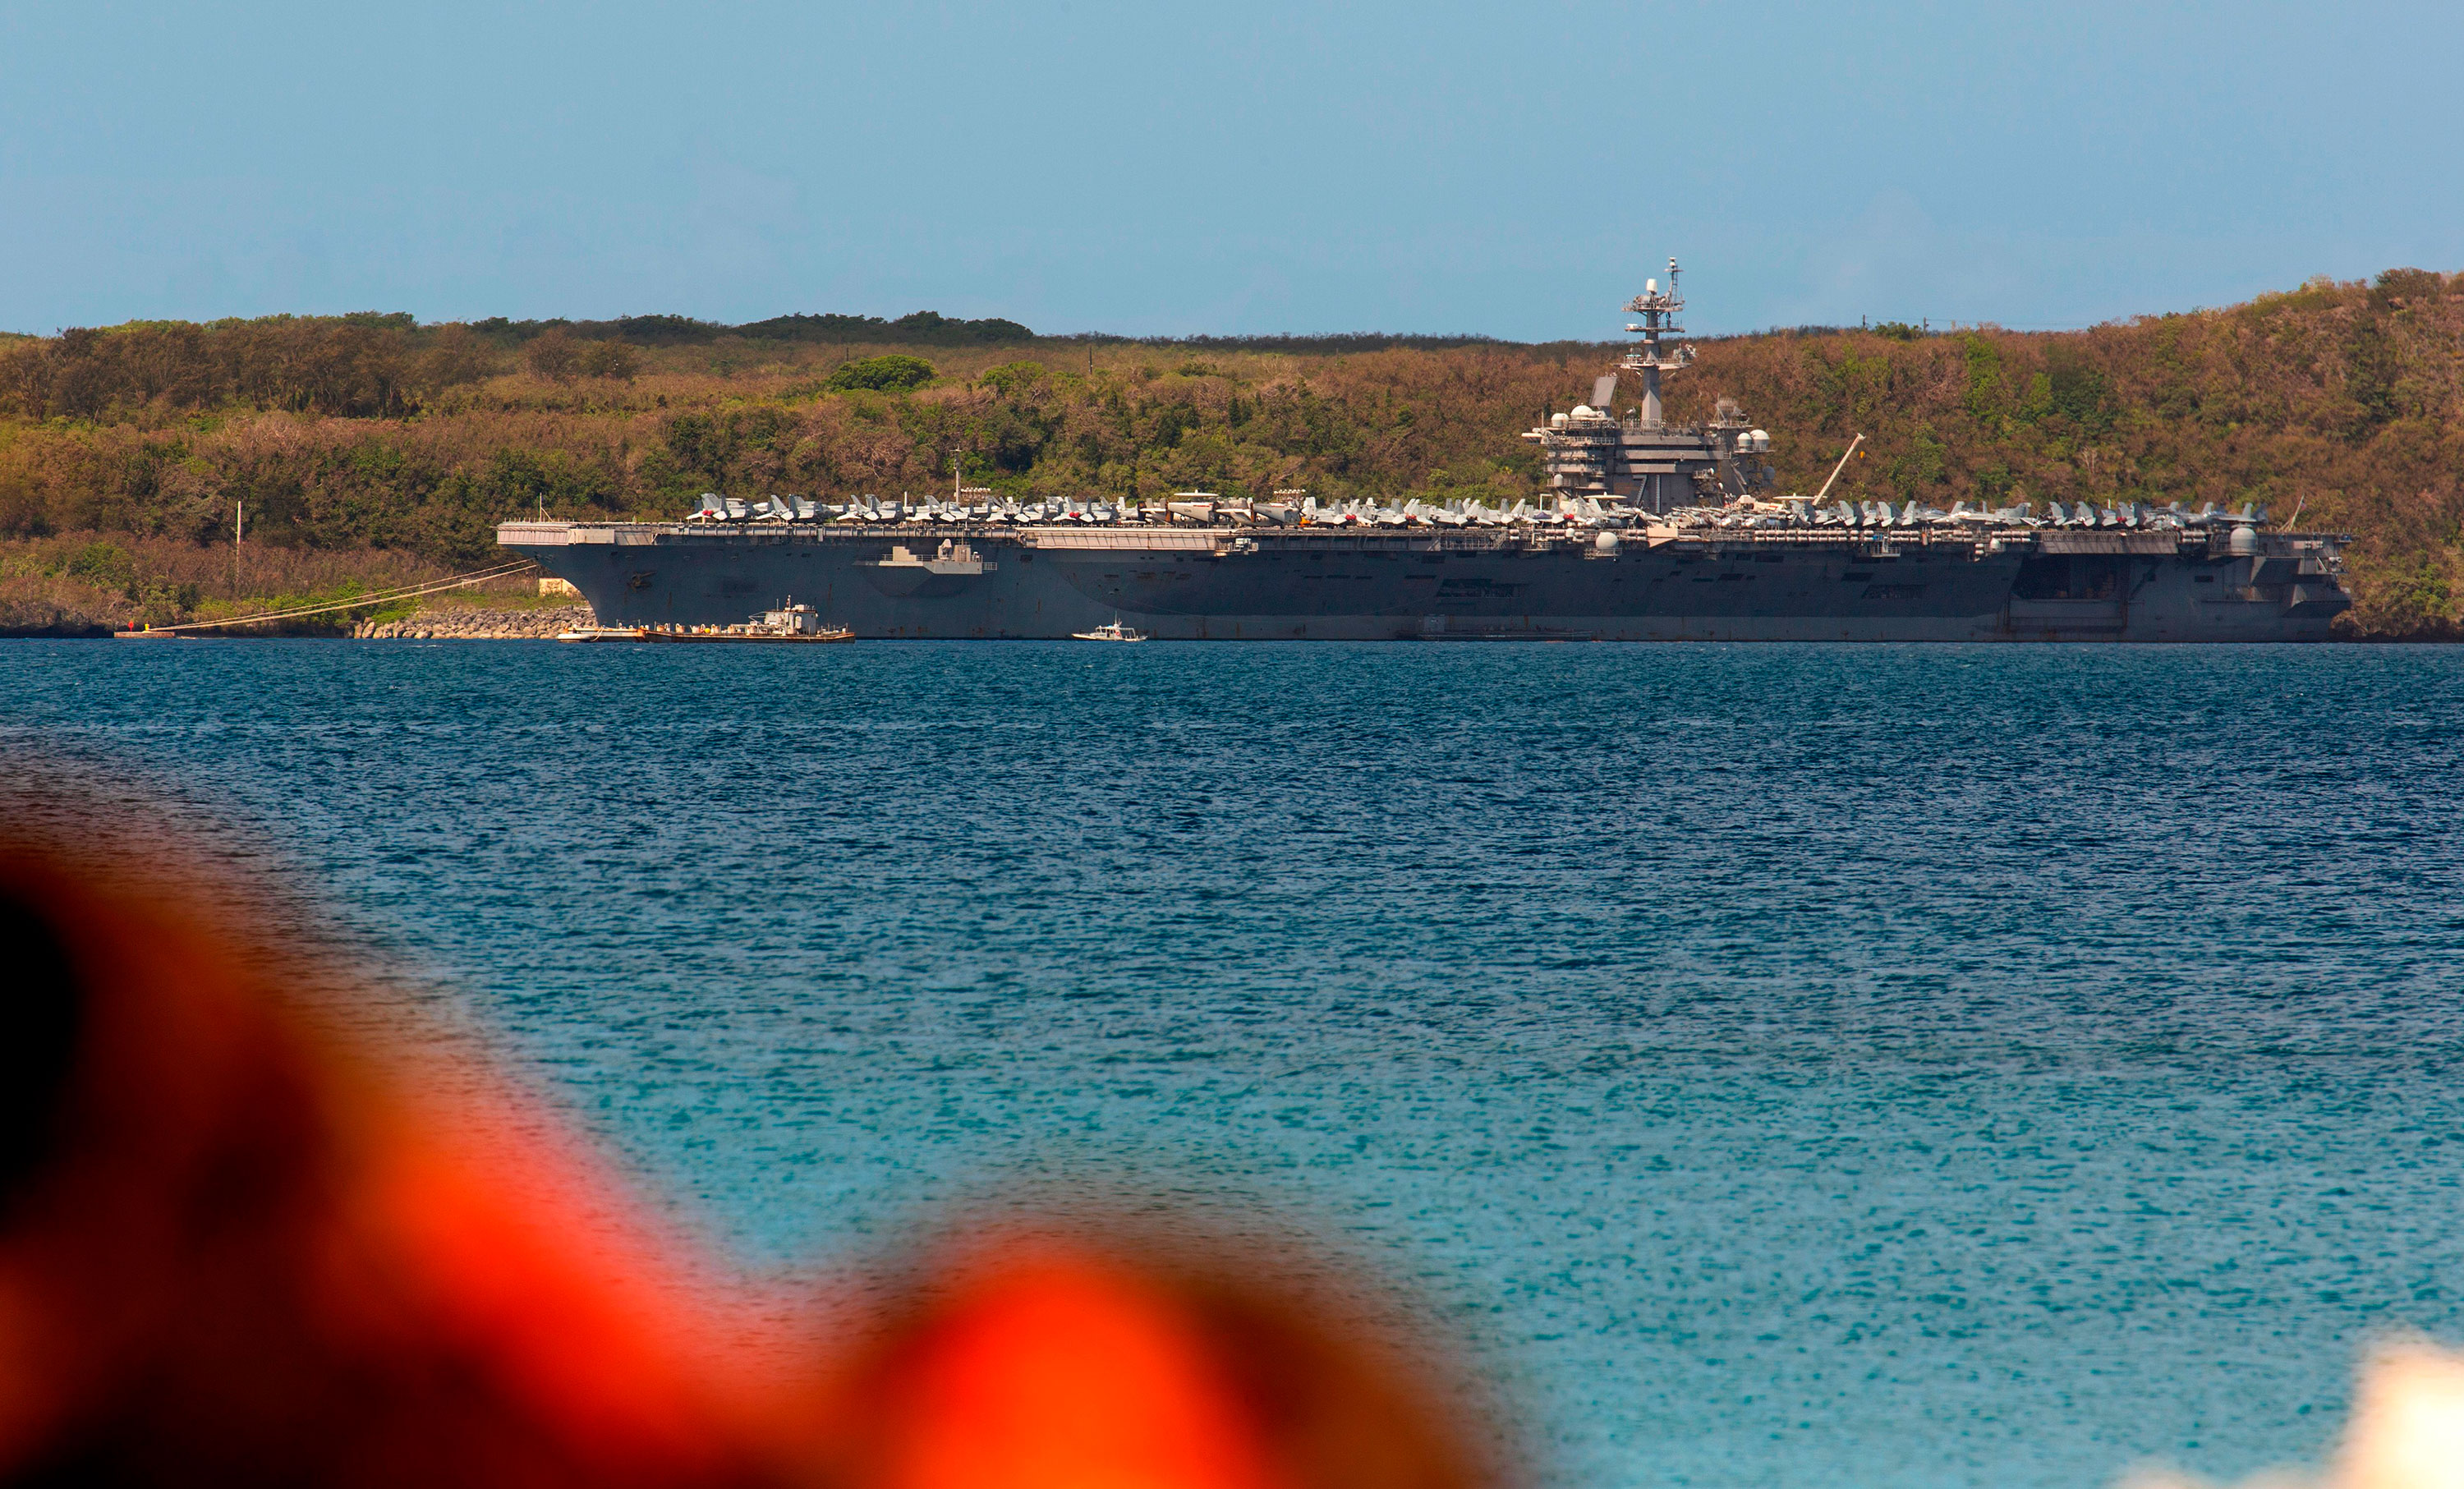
(1658, 313)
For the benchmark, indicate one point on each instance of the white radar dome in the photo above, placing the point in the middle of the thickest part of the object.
(1585, 411)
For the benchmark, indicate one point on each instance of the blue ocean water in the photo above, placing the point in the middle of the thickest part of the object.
(1780, 1066)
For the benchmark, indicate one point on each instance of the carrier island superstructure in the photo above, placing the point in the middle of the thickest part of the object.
(1649, 530)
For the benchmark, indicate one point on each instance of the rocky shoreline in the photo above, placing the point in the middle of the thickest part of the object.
(459, 624)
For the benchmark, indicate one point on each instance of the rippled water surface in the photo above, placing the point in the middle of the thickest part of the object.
(1786, 1065)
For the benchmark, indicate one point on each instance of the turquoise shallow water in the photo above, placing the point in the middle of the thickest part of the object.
(1783, 1065)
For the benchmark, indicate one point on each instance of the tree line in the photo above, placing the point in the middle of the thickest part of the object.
(344, 367)
(385, 366)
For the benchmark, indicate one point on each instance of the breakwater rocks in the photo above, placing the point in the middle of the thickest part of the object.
(460, 625)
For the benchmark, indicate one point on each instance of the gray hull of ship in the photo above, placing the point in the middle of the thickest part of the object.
(1302, 585)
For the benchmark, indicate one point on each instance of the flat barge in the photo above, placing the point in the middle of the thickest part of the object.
(791, 624)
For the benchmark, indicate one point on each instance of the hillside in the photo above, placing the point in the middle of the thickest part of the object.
(370, 449)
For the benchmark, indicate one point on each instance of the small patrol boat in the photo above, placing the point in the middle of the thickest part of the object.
(1115, 631)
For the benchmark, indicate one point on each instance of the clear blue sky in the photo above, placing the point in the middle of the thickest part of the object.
(1515, 169)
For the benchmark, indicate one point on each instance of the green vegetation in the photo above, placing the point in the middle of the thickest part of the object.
(386, 446)
(891, 374)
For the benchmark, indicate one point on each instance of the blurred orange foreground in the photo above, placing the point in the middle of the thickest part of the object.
(233, 1250)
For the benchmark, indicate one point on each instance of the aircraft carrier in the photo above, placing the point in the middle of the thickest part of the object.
(1649, 531)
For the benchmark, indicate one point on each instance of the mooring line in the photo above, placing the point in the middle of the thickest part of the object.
(357, 601)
